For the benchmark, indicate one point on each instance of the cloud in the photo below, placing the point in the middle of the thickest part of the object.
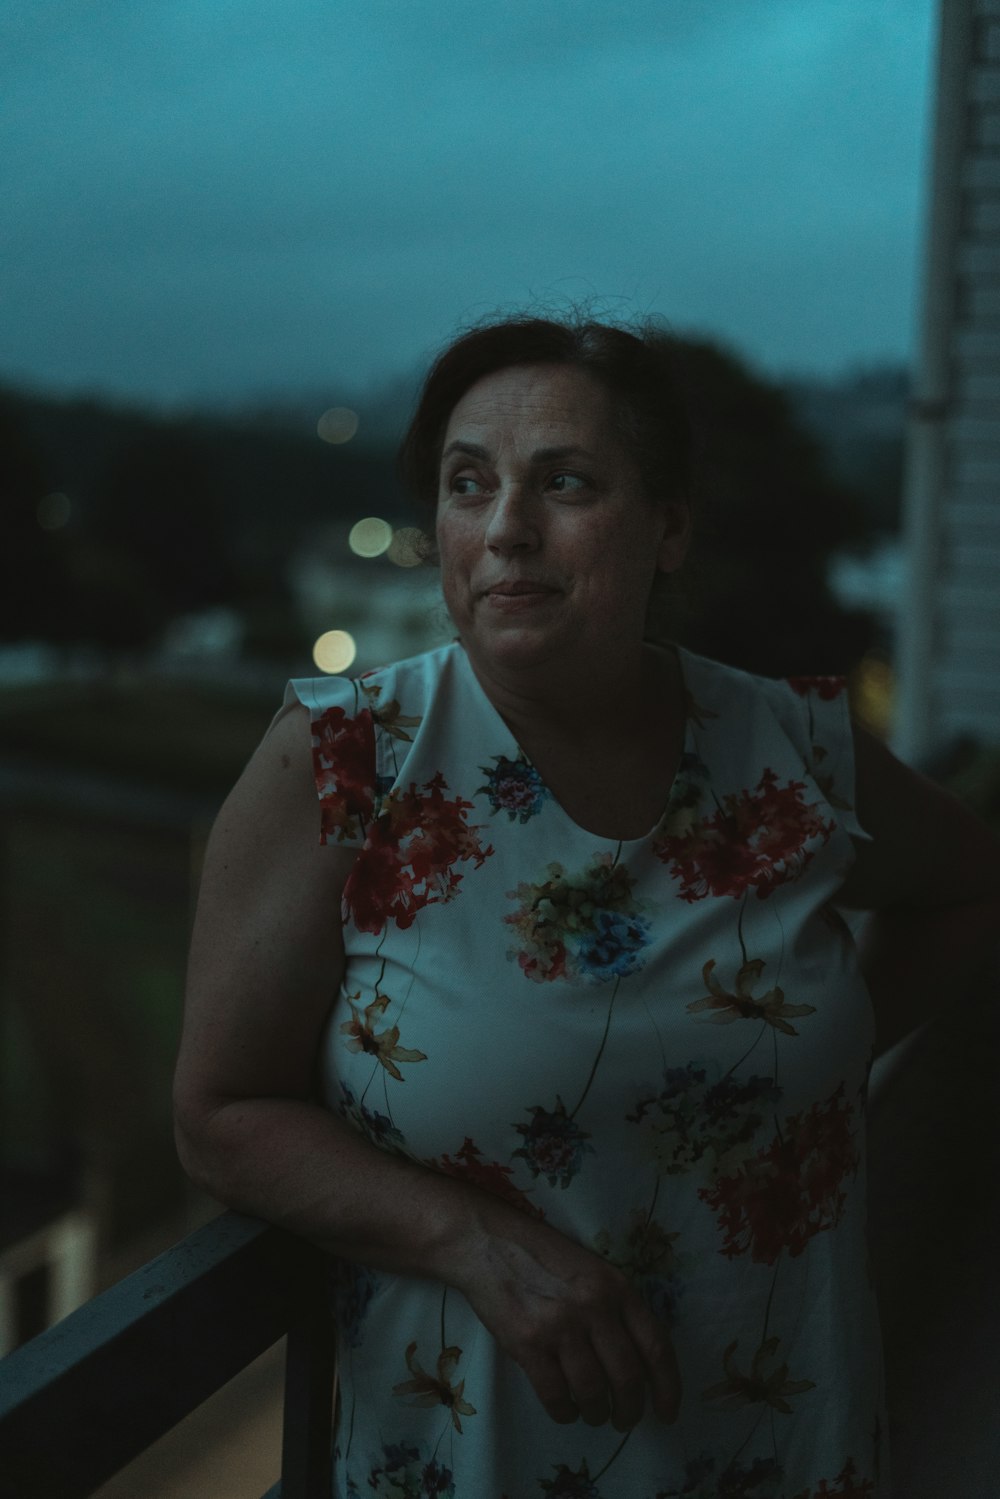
(254, 186)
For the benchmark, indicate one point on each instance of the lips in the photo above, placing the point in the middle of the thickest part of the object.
(521, 586)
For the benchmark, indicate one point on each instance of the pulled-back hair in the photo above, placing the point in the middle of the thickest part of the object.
(637, 367)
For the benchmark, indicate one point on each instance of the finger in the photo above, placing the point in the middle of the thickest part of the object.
(626, 1372)
(657, 1350)
(666, 1387)
(550, 1385)
(587, 1379)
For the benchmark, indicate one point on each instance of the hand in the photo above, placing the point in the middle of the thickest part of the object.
(579, 1330)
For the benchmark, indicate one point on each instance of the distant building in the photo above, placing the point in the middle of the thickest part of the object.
(949, 637)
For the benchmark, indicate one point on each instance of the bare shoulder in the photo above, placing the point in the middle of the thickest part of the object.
(274, 806)
(926, 849)
(267, 947)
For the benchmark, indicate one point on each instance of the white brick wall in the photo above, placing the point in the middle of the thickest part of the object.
(961, 584)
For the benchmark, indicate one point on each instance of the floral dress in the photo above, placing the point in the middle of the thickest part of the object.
(660, 1046)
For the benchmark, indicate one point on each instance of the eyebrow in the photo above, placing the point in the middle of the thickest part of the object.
(540, 455)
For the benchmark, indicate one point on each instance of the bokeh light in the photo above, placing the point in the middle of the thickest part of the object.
(334, 651)
(370, 537)
(339, 424)
(406, 547)
(53, 511)
(873, 691)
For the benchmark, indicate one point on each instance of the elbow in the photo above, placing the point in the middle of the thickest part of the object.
(219, 1141)
(189, 1153)
(193, 1135)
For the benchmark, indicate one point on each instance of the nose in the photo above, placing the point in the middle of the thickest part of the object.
(512, 526)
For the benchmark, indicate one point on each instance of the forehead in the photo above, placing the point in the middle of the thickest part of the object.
(550, 400)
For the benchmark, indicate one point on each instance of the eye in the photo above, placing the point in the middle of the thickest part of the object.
(564, 483)
(465, 485)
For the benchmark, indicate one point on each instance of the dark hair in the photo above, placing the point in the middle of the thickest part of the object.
(637, 367)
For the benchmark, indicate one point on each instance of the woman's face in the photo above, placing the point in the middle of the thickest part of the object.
(548, 542)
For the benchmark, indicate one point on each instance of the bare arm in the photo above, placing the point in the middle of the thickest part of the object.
(266, 961)
(931, 877)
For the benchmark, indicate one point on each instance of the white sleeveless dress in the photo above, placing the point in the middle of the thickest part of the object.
(660, 1046)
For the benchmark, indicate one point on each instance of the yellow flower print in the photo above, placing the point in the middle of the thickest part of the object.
(741, 1005)
(389, 716)
(756, 1388)
(428, 1390)
(394, 722)
(382, 1045)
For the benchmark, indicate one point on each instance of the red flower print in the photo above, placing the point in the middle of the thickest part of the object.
(551, 964)
(344, 765)
(379, 887)
(825, 688)
(754, 839)
(408, 860)
(790, 1191)
(468, 1165)
(849, 1486)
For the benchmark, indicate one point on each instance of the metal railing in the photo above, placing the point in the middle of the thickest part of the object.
(78, 1403)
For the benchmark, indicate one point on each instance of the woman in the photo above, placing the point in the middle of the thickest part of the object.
(593, 1041)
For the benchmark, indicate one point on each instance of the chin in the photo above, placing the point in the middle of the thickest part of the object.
(513, 649)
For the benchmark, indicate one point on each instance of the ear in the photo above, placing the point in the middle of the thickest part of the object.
(676, 536)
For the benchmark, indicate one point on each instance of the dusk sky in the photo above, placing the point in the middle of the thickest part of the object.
(228, 202)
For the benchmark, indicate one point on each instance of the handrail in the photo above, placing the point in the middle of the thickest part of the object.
(78, 1403)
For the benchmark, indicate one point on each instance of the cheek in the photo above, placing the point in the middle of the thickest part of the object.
(449, 544)
(618, 551)
(620, 580)
(455, 560)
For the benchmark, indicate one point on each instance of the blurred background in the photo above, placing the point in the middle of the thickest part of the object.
(233, 238)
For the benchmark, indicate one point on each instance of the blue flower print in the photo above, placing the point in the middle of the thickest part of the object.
(379, 1128)
(691, 1119)
(553, 1146)
(612, 950)
(404, 1472)
(701, 1481)
(353, 1289)
(569, 1485)
(587, 925)
(644, 1251)
(514, 787)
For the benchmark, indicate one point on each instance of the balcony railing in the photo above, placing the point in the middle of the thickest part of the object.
(78, 1403)
(82, 1400)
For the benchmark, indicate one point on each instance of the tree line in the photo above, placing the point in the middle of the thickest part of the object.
(117, 521)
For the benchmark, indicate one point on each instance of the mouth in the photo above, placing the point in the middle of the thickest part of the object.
(521, 589)
(518, 597)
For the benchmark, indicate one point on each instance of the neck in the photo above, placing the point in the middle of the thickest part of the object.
(641, 694)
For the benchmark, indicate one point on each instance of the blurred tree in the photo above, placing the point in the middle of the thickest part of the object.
(36, 593)
(156, 526)
(860, 422)
(769, 514)
(169, 515)
(174, 515)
